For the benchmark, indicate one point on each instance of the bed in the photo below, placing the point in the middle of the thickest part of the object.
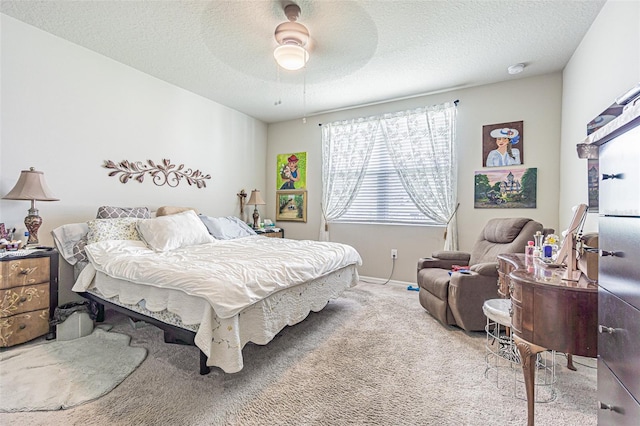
(214, 290)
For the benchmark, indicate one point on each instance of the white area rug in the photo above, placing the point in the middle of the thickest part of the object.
(54, 375)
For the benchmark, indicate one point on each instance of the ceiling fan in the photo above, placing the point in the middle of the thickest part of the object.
(292, 38)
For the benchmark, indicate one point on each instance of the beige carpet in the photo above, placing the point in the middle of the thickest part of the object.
(372, 357)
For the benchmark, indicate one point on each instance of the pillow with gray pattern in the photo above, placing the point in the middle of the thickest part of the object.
(111, 212)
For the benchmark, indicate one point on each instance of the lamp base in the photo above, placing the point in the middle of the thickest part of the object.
(33, 222)
(256, 216)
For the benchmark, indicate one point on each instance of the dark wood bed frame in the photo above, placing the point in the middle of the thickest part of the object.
(172, 334)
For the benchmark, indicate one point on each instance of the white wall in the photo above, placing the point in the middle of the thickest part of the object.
(66, 109)
(605, 65)
(535, 100)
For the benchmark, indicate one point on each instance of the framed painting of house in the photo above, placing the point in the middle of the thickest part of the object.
(292, 206)
(506, 188)
(503, 144)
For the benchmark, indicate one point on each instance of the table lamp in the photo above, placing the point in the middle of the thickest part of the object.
(256, 200)
(31, 186)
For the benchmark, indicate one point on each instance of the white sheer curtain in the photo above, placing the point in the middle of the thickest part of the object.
(346, 148)
(421, 144)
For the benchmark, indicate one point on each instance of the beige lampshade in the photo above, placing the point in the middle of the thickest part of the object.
(31, 186)
(256, 198)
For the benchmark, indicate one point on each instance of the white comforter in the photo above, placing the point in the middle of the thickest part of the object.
(231, 275)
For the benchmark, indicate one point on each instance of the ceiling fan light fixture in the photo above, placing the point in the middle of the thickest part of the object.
(291, 32)
(291, 37)
(291, 56)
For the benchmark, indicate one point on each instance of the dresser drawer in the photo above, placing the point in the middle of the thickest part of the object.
(23, 327)
(277, 234)
(503, 285)
(515, 291)
(28, 271)
(17, 300)
(620, 274)
(615, 405)
(620, 162)
(516, 319)
(619, 339)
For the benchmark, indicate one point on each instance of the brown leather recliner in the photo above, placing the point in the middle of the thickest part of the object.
(457, 299)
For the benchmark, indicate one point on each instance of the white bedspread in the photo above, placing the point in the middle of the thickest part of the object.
(231, 275)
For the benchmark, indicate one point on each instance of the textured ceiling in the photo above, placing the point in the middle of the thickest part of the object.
(361, 52)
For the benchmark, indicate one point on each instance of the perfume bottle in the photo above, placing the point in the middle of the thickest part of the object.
(539, 240)
(528, 253)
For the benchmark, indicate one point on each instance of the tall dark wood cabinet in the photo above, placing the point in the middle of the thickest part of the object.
(619, 269)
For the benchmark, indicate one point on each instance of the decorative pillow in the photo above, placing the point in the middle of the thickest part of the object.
(110, 212)
(174, 231)
(78, 250)
(113, 229)
(167, 210)
(226, 228)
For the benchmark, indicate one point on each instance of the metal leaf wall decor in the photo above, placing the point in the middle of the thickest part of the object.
(163, 173)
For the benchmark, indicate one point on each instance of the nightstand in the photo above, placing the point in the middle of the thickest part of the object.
(28, 295)
(273, 233)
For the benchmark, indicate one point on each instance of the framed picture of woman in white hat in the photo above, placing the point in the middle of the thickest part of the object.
(502, 144)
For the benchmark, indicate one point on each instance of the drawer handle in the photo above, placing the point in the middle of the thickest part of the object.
(612, 176)
(604, 329)
(23, 299)
(25, 271)
(604, 406)
(605, 253)
(22, 326)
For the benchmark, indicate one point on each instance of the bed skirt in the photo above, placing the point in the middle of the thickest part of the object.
(221, 339)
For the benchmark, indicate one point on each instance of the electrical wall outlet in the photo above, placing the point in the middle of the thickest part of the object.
(394, 253)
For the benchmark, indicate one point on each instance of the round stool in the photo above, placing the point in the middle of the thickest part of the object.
(502, 356)
(501, 353)
(497, 310)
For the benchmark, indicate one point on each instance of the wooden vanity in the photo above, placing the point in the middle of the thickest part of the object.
(548, 313)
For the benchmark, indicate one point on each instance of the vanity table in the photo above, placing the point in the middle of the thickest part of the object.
(548, 313)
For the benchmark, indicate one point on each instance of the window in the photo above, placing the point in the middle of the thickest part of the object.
(381, 197)
(396, 168)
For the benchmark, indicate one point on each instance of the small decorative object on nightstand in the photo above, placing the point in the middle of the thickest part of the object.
(28, 296)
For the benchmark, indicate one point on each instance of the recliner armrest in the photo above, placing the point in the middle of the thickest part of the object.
(458, 256)
(489, 269)
(432, 262)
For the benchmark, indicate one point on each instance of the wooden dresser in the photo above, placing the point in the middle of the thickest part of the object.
(619, 269)
(28, 296)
